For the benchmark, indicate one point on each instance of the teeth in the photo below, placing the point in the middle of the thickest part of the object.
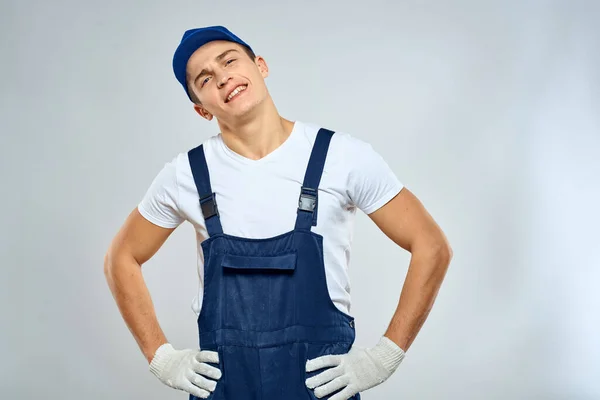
(236, 91)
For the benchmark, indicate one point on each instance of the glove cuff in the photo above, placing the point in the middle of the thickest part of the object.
(160, 359)
(389, 354)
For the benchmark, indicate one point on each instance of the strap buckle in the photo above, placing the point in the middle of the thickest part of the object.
(308, 199)
(208, 204)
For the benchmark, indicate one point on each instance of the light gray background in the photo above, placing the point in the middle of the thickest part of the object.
(488, 111)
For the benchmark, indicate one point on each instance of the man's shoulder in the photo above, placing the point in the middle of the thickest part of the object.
(341, 138)
(208, 142)
(312, 129)
(180, 159)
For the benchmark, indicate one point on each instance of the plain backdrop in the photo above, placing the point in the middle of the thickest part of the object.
(488, 111)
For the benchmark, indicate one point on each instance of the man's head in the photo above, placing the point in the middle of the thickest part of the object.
(220, 73)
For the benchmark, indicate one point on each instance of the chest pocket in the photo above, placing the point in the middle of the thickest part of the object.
(283, 262)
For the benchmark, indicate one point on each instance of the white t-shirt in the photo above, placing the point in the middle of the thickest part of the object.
(259, 198)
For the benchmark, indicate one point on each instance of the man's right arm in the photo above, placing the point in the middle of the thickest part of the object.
(135, 243)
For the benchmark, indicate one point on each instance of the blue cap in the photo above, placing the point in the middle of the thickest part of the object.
(191, 41)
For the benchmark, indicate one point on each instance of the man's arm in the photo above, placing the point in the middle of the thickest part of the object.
(135, 243)
(406, 221)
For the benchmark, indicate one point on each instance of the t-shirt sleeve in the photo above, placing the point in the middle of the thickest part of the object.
(371, 181)
(160, 203)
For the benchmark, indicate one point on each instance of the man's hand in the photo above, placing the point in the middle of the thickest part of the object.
(186, 369)
(356, 371)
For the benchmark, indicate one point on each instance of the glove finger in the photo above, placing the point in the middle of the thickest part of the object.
(206, 370)
(344, 394)
(188, 387)
(331, 387)
(203, 383)
(323, 362)
(324, 377)
(208, 356)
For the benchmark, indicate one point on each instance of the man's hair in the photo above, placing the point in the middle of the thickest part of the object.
(248, 52)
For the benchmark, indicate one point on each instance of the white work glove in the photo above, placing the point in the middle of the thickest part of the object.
(356, 371)
(186, 369)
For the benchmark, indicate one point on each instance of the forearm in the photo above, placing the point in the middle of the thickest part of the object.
(425, 275)
(363, 369)
(126, 282)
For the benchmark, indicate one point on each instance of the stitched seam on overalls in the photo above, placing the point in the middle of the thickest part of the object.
(260, 378)
(276, 330)
(288, 343)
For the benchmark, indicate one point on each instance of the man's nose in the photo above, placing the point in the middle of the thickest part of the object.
(223, 79)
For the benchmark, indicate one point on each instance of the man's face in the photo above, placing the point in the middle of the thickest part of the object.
(226, 81)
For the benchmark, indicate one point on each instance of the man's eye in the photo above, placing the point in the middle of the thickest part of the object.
(230, 61)
(205, 80)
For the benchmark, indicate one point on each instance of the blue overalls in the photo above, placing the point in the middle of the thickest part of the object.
(266, 307)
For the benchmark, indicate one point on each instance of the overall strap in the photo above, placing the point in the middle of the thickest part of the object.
(308, 202)
(208, 202)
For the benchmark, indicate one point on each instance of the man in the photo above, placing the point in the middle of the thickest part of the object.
(273, 203)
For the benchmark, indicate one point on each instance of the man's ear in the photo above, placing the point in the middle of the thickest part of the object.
(203, 113)
(262, 66)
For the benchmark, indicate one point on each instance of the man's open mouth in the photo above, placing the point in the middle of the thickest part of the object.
(235, 92)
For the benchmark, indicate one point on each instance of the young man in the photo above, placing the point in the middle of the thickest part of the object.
(273, 203)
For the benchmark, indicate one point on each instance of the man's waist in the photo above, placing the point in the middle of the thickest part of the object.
(272, 338)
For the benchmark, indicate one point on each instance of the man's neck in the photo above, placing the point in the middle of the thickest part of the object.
(258, 136)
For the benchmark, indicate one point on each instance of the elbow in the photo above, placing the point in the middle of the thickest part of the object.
(118, 265)
(442, 252)
(437, 249)
(111, 262)
(444, 255)
(107, 266)
(441, 247)
(438, 261)
(113, 271)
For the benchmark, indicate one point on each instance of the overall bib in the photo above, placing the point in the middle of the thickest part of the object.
(266, 307)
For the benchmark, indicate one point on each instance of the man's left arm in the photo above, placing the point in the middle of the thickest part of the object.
(404, 220)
